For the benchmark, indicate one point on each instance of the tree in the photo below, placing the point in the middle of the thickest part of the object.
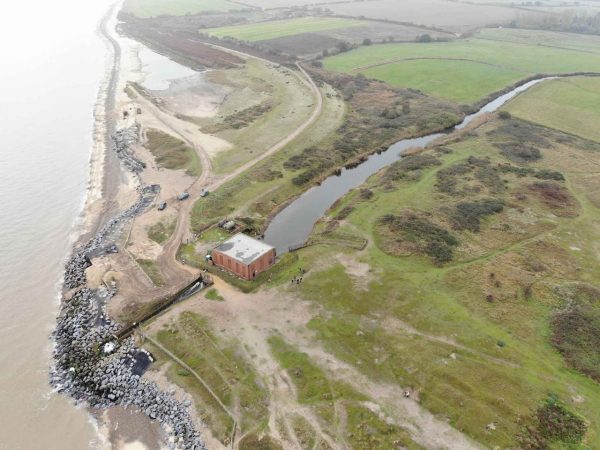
(367, 41)
(424, 38)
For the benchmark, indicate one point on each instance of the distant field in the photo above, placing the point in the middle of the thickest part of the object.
(279, 28)
(266, 4)
(571, 105)
(453, 16)
(571, 41)
(466, 70)
(153, 8)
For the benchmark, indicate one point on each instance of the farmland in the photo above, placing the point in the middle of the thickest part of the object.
(457, 17)
(571, 105)
(466, 70)
(278, 28)
(154, 8)
(309, 36)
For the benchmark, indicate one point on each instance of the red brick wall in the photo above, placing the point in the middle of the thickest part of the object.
(241, 270)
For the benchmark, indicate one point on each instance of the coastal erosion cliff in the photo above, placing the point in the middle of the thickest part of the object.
(90, 365)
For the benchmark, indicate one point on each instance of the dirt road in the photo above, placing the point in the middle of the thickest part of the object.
(170, 267)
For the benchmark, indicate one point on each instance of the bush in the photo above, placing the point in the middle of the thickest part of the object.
(410, 163)
(431, 239)
(549, 175)
(504, 115)
(576, 335)
(345, 212)
(305, 177)
(519, 152)
(556, 423)
(468, 215)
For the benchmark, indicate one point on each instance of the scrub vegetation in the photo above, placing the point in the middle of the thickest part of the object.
(225, 369)
(376, 115)
(266, 104)
(172, 153)
(527, 262)
(161, 231)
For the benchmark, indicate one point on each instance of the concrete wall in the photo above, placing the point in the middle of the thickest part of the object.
(247, 272)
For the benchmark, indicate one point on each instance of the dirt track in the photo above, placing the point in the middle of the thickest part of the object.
(173, 271)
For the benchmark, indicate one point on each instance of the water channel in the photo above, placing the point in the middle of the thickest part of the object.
(292, 226)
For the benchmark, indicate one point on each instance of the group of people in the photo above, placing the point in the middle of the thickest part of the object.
(298, 280)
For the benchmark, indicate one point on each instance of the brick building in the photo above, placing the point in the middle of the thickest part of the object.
(244, 256)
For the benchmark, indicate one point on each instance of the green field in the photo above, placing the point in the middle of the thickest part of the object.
(467, 70)
(496, 298)
(278, 28)
(154, 8)
(571, 105)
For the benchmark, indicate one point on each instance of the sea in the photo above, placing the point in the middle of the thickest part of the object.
(53, 66)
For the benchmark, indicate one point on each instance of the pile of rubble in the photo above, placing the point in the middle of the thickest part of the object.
(122, 141)
(90, 365)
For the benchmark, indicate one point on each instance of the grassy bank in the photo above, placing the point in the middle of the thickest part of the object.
(172, 153)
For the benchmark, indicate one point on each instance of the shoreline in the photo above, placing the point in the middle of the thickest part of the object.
(106, 383)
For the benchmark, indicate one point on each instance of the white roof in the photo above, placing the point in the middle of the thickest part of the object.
(243, 248)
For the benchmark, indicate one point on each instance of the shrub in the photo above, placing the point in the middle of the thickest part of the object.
(468, 215)
(305, 177)
(400, 168)
(345, 212)
(556, 423)
(519, 152)
(544, 174)
(430, 239)
(576, 335)
(366, 194)
(504, 115)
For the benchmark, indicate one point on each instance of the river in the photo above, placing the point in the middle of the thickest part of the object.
(292, 226)
(53, 63)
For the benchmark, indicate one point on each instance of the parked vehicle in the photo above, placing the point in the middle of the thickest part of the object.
(183, 196)
(204, 193)
(162, 206)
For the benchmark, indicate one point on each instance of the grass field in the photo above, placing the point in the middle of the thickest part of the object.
(261, 31)
(515, 267)
(452, 16)
(466, 70)
(154, 8)
(571, 105)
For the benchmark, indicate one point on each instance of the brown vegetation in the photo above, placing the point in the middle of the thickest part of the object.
(378, 115)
